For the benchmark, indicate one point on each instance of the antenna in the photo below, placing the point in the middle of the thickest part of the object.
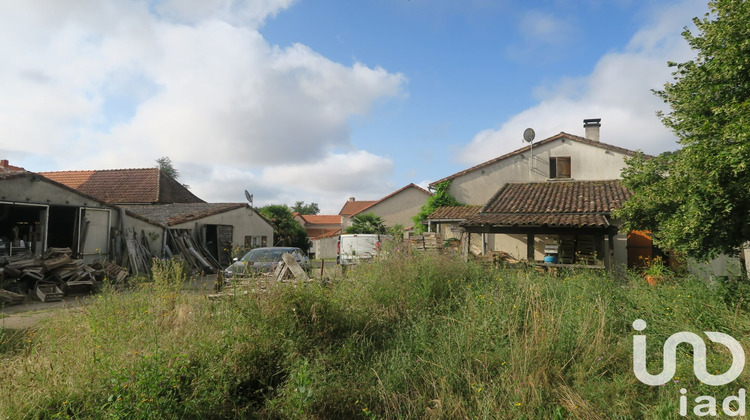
(249, 198)
(528, 137)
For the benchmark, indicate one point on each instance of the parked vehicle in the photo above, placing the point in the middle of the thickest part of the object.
(260, 260)
(356, 248)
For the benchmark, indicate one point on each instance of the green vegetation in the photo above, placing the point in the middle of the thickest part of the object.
(302, 208)
(286, 230)
(367, 223)
(407, 337)
(697, 200)
(441, 197)
(165, 164)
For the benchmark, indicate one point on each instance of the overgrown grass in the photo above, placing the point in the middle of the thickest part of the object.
(406, 337)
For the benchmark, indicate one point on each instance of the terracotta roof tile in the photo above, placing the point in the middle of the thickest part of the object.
(7, 168)
(321, 219)
(126, 186)
(353, 207)
(552, 203)
(327, 233)
(454, 212)
(556, 137)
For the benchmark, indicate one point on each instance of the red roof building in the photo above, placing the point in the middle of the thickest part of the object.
(126, 186)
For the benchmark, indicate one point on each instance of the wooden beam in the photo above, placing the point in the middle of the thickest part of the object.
(530, 247)
(540, 230)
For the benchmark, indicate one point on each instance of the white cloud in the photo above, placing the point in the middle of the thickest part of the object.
(235, 11)
(618, 90)
(102, 84)
(328, 182)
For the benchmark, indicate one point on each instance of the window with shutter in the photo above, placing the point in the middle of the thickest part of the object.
(559, 167)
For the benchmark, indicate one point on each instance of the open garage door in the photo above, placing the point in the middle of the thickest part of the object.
(94, 228)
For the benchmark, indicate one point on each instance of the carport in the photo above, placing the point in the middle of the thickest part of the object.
(571, 217)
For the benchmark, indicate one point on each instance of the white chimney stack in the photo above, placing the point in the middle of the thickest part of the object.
(592, 128)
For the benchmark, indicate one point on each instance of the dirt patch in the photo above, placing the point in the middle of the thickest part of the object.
(27, 315)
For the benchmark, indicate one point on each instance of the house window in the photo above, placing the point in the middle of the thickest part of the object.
(264, 241)
(559, 167)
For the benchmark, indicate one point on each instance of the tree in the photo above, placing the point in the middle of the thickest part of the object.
(165, 164)
(286, 230)
(367, 223)
(441, 197)
(697, 200)
(302, 208)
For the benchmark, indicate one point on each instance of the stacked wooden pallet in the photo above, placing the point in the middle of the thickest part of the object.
(50, 277)
(428, 241)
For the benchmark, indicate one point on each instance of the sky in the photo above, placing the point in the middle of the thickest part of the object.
(321, 100)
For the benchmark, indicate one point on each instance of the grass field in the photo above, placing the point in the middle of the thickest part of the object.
(405, 337)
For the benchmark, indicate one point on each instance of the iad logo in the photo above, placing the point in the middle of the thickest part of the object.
(708, 403)
(699, 357)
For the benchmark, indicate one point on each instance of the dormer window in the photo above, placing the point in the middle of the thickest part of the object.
(559, 167)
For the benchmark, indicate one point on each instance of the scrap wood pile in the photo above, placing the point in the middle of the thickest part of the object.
(181, 243)
(132, 252)
(428, 241)
(498, 259)
(52, 276)
(287, 271)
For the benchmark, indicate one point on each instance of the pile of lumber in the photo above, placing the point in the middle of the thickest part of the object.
(53, 275)
(10, 298)
(428, 241)
(287, 271)
(132, 252)
(182, 243)
(498, 259)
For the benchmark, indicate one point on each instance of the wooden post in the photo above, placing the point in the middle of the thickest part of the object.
(530, 247)
(466, 245)
(484, 244)
(607, 259)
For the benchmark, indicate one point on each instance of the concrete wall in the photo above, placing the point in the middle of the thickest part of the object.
(49, 200)
(325, 247)
(33, 189)
(400, 208)
(721, 266)
(154, 234)
(587, 163)
(246, 222)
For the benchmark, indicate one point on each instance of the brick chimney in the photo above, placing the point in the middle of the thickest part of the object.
(592, 128)
(4, 163)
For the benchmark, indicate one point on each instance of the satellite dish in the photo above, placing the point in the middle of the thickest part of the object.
(249, 197)
(528, 135)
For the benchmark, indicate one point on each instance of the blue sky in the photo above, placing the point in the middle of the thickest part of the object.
(320, 100)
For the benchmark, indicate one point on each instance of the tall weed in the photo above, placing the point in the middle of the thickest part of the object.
(409, 336)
